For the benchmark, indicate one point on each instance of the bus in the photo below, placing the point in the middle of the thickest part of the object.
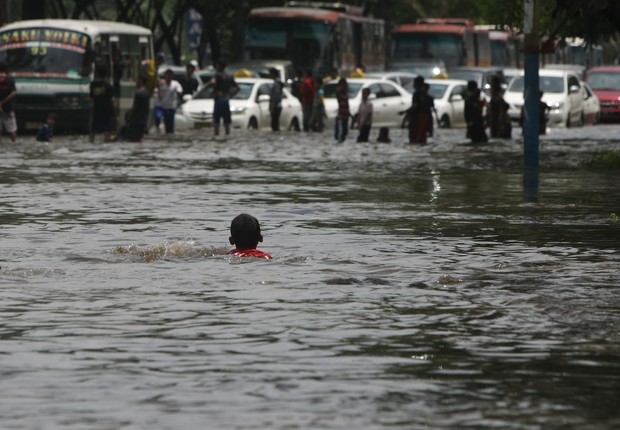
(323, 37)
(454, 41)
(52, 62)
(574, 51)
(506, 46)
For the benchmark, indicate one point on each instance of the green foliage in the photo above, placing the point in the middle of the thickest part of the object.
(605, 160)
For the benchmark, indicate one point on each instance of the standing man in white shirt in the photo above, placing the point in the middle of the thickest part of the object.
(168, 94)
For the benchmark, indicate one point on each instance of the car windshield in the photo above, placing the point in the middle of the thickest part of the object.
(245, 89)
(604, 81)
(547, 84)
(437, 91)
(353, 89)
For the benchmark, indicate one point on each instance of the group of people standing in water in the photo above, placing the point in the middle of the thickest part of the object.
(479, 113)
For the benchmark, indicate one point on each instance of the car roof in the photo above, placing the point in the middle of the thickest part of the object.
(380, 75)
(615, 69)
(363, 81)
(552, 72)
(446, 81)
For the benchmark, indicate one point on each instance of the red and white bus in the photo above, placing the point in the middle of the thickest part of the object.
(454, 41)
(323, 37)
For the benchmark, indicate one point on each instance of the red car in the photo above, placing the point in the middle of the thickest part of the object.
(605, 82)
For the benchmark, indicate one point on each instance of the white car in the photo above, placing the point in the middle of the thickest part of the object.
(249, 107)
(591, 105)
(387, 98)
(561, 91)
(449, 95)
(404, 79)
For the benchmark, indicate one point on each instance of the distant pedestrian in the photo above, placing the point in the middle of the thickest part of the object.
(543, 115)
(317, 120)
(384, 135)
(364, 116)
(474, 106)
(139, 113)
(497, 112)
(190, 81)
(8, 91)
(103, 118)
(149, 70)
(224, 87)
(342, 118)
(308, 91)
(420, 112)
(168, 95)
(46, 131)
(275, 99)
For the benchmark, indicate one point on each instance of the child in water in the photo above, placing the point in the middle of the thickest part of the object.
(46, 132)
(245, 235)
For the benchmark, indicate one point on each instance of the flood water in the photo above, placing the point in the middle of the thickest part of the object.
(411, 287)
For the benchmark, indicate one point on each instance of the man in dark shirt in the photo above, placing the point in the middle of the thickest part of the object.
(7, 93)
(189, 82)
(224, 87)
(103, 113)
(139, 112)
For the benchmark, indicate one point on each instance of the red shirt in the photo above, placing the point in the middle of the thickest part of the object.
(307, 92)
(249, 252)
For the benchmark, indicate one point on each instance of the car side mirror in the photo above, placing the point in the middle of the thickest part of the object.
(456, 97)
(372, 96)
(187, 97)
(573, 89)
(263, 98)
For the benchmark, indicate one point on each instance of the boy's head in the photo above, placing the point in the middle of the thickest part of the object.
(245, 232)
(365, 93)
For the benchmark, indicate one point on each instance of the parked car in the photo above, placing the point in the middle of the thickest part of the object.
(449, 95)
(434, 69)
(561, 91)
(404, 79)
(261, 69)
(388, 99)
(481, 75)
(591, 105)
(249, 107)
(605, 82)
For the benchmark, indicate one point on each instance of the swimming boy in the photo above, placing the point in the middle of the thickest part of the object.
(245, 235)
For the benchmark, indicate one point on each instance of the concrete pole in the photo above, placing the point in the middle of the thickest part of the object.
(531, 102)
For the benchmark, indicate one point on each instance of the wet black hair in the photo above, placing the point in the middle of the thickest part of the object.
(418, 81)
(245, 231)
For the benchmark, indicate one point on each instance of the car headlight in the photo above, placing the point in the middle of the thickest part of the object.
(556, 106)
(237, 110)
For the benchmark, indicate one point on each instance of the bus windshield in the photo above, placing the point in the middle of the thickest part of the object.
(304, 42)
(426, 46)
(45, 53)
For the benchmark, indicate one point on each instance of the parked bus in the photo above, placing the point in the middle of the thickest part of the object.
(506, 47)
(324, 37)
(574, 51)
(456, 42)
(52, 62)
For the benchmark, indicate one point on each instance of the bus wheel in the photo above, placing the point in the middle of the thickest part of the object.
(253, 124)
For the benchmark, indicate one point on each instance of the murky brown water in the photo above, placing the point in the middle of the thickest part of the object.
(412, 287)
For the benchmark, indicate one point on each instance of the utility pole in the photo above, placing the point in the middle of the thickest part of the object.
(531, 65)
(531, 102)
